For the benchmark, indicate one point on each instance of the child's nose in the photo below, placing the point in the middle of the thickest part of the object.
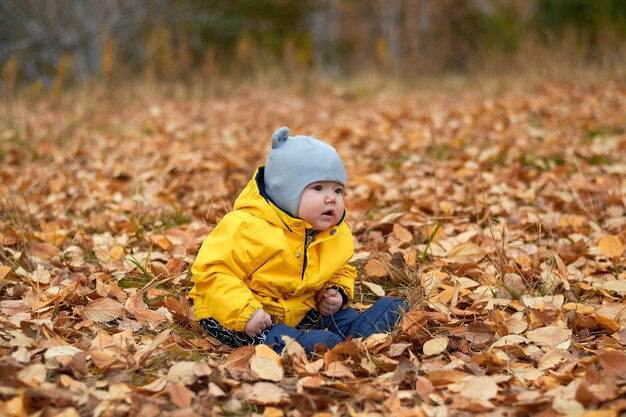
(330, 197)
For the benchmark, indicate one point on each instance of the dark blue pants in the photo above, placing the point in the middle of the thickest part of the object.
(330, 330)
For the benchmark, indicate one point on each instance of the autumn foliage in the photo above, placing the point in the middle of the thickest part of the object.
(500, 216)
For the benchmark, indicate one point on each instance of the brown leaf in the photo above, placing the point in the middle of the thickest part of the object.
(376, 268)
(479, 388)
(402, 234)
(338, 370)
(479, 333)
(103, 310)
(614, 364)
(44, 250)
(549, 335)
(466, 252)
(180, 395)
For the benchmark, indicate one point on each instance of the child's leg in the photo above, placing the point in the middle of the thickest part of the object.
(306, 338)
(230, 337)
(381, 317)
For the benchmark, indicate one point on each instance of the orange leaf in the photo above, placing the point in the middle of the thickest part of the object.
(4, 270)
(376, 268)
(611, 247)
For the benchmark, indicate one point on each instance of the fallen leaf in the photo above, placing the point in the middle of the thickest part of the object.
(103, 310)
(376, 268)
(549, 336)
(4, 270)
(611, 247)
(435, 346)
(266, 393)
(479, 388)
(182, 373)
(375, 288)
(266, 364)
(180, 395)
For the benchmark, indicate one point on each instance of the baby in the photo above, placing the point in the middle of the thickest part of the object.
(278, 263)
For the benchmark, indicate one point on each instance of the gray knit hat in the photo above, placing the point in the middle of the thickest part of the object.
(295, 162)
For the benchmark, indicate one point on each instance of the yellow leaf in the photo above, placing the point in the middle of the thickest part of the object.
(4, 270)
(117, 253)
(272, 412)
(375, 288)
(611, 247)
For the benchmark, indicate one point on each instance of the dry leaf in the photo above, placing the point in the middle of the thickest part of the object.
(4, 270)
(102, 310)
(182, 373)
(265, 393)
(338, 370)
(266, 364)
(479, 388)
(466, 251)
(435, 346)
(549, 336)
(33, 375)
(376, 268)
(180, 395)
(375, 288)
(611, 247)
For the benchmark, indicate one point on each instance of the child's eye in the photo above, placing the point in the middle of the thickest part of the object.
(318, 188)
(339, 190)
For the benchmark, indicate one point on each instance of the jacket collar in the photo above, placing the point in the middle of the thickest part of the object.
(255, 200)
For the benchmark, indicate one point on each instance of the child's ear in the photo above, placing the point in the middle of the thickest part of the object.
(280, 136)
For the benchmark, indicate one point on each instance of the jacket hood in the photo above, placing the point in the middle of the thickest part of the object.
(254, 200)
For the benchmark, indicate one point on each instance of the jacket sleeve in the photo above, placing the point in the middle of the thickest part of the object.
(343, 279)
(227, 256)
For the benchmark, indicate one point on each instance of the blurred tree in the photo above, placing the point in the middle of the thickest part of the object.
(172, 38)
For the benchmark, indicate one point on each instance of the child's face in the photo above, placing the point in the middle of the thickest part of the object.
(321, 204)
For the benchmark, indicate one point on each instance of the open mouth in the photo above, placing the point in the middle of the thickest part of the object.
(328, 213)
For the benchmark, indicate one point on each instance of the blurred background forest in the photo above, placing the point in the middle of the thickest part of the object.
(47, 46)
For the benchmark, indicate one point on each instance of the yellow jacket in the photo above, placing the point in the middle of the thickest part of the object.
(256, 258)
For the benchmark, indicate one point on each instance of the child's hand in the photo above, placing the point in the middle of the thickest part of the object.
(330, 303)
(259, 321)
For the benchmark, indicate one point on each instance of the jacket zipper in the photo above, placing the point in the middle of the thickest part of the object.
(307, 241)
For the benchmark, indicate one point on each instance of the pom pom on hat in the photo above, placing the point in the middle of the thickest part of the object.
(295, 162)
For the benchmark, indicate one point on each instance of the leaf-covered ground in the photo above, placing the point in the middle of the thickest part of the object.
(501, 217)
